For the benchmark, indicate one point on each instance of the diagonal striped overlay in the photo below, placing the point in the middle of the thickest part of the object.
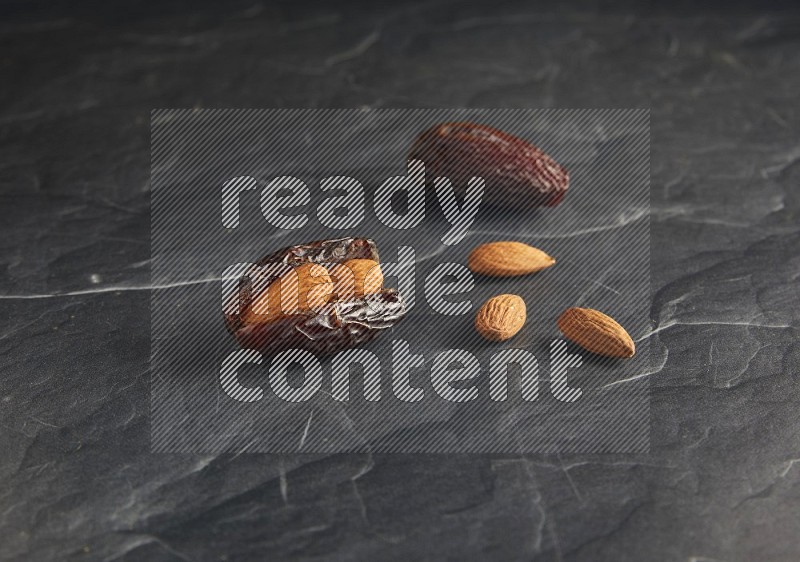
(599, 235)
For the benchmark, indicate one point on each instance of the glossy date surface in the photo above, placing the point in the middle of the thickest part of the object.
(337, 325)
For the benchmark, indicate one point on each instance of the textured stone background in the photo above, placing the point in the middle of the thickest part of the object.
(722, 480)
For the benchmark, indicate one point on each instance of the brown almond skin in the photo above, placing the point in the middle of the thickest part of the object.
(517, 173)
(363, 278)
(596, 332)
(312, 287)
(500, 317)
(507, 259)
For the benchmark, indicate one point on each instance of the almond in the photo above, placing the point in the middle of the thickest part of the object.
(356, 278)
(507, 259)
(307, 287)
(596, 332)
(500, 317)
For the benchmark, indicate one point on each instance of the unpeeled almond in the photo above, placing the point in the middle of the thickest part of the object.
(501, 317)
(356, 278)
(596, 332)
(507, 259)
(305, 288)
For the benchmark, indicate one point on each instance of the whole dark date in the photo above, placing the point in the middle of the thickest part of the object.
(517, 173)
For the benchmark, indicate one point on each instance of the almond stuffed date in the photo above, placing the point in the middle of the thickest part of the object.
(323, 296)
(517, 173)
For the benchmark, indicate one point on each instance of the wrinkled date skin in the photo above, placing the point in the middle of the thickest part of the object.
(516, 173)
(337, 325)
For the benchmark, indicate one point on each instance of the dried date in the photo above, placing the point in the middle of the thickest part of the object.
(290, 300)
(517, 173)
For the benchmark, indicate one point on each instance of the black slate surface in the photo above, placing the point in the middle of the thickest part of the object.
(600, 235)
(77, 480)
